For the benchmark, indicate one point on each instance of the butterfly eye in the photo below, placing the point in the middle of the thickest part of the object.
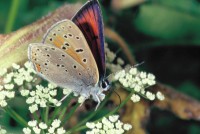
(105, 85)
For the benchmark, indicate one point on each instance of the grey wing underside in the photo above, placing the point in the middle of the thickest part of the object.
(58, 67)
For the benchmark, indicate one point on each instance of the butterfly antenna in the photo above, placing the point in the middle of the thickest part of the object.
(120, 101)
(136, 65)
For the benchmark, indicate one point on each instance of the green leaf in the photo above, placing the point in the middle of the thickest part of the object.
(158, 20)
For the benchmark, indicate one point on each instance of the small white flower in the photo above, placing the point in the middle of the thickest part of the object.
(119, 75)
(127, 127)
(119, 124)
(33, 108)
(3, 131)
(133, 71)
(28, 65)
(15, 66)
(30, 100)
(9, 86)
(66, 91)
(3, 103)
(110, 55)
(2, 95)
(60, 131)
(42, 125)
(150, 95)
(43, 103)
(135, 98)
(113, 118)
(8, 77)
(19, 81)
(51, 130)
(52, 85)
(36, 130)
(137, 88)
(53, 92)
(11, 94)
(32, 123)
(151, 77)
(160, 96)
(120, 61)
(27, 130)
(56, 123)
(105, 120)
(24, 92)
(90, 125)
(143, 75)
(99, 125)
(32, 93)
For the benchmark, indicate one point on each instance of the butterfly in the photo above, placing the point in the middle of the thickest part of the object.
(72, 55)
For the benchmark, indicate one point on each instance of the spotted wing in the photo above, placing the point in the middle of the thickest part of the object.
(67, 37)
(58, 67)
(89, 20)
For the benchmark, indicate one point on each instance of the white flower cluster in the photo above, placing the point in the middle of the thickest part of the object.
(110, 57)
(11, 80)
(110, 125)
(40, 97)
(4, 95)
(138, 81)
(19, 75)
(41, 127)
(2, 131)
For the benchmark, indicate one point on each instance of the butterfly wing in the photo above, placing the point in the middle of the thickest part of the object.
(58, 67)
(90, 22)
(68, 39)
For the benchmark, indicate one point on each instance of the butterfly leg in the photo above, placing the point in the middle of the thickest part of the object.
(98, 100)
(62, 99)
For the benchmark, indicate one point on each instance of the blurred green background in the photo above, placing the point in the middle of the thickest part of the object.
(163, 33)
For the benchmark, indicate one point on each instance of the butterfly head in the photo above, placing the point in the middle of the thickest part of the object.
(105, 85)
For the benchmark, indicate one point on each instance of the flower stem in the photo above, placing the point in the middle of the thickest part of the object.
(70, 113)
(46, 114)
(110, 113)
(58, 109)
(35, 116)
(16, 116)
